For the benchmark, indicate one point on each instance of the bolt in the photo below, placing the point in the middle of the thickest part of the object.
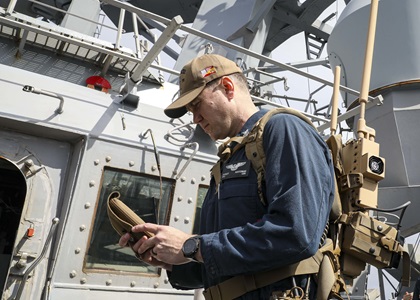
(29, 163)
(20, 265)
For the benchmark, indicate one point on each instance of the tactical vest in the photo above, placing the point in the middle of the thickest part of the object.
(354, 238)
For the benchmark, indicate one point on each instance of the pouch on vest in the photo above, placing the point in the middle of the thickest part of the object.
(368, 240)
(372, 241)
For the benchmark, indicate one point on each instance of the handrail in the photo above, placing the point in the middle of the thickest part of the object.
(144, 13)
(189, 145)
(31, 89)
(70, 14)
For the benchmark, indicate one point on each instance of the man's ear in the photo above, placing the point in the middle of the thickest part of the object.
(229, 87)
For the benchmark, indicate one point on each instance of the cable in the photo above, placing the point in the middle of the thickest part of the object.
(156, 152)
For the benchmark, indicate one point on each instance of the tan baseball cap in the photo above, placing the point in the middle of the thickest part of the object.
(194, 77)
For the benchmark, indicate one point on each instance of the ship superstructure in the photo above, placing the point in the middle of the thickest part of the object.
(84, 84)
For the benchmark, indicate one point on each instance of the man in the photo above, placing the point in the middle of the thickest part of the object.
(239, 234)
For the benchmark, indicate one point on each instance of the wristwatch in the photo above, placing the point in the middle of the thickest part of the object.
(191, 246)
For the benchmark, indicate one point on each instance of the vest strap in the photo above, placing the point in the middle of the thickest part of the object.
(242, 284)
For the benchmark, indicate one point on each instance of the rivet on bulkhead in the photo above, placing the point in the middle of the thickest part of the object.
(190, 200)
(108, 158)
(203, 177)
(108, 282)
(193, 181)
(156, 285)
(187, 220)
(96, 162)
(176, 218)
(87, 205)
(92, 183)
(83, 280)
(73, 274)
(77, 250)
(183, 179)
(133, 284)
(131, 163)
(82, 227)
(154, 168)
(180, 198)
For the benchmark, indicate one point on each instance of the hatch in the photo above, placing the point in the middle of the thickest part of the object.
(12, 198)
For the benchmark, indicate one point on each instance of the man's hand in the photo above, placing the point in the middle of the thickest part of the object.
(127, 240)
(161, 250)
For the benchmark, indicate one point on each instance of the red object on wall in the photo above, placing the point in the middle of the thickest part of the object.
(98, 83)
(30, 231)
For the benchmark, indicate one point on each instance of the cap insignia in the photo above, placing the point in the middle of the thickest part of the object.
(208, 71)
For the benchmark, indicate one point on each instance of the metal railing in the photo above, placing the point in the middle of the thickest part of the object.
(125, 60)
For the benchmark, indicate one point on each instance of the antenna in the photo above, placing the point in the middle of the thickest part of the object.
(363, 167)
(363, 239)
(336, 91)
(362, 130)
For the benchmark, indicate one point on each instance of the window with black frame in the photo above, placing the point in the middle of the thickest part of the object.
(148, 196)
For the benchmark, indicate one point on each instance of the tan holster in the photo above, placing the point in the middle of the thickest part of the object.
(122, 218)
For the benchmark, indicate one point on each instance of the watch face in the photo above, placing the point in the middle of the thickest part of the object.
(190, 247)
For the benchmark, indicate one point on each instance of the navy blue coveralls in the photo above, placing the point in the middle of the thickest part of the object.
(239, 234)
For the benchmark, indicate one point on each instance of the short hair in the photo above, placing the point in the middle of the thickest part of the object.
(237, 77)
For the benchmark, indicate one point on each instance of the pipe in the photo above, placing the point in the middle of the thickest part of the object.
(31, 89)
(55, 221)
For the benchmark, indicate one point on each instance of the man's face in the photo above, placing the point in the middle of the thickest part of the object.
(211, 111)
